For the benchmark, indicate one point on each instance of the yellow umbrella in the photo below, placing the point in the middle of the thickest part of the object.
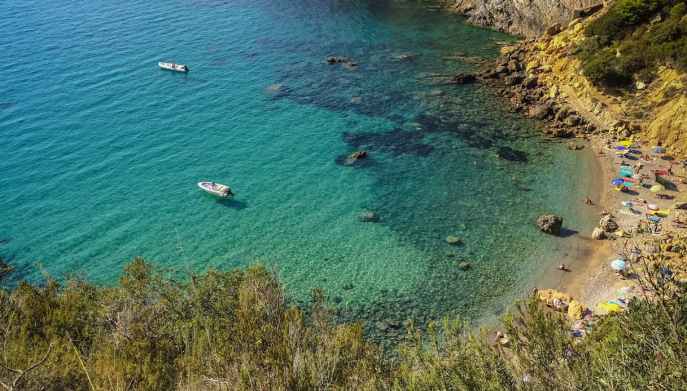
(657, 188)
(660, 213)
(610, 307)
(625, 143)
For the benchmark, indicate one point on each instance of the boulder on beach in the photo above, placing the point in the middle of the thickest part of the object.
(608, 224)
(573, 146)
(598, 234)
(550, 224)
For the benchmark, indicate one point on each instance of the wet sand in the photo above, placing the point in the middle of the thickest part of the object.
(589, 278)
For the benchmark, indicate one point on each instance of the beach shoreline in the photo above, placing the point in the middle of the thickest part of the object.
(588, 279)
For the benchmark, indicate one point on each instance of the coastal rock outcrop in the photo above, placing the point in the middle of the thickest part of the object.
(463, 78)
(525, 18)
(550, 224)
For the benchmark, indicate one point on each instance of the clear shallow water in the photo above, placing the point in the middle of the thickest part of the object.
(101, 152)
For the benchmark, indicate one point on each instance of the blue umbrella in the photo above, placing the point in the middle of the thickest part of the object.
(617, 182)
(618, 264)
(620, 148)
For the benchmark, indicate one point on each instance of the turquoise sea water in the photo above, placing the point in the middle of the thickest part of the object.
(100, 151)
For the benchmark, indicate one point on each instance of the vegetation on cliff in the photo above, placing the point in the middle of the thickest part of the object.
(632, 39)
(235, 330)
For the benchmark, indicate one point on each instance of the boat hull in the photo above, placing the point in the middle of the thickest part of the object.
(170, 66)
(216, 189)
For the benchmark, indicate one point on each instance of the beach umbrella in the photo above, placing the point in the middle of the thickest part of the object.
(657, 188)
(620, 148)
(658, 149)
(610, 307)
(625, 143)
(618, 264)
(654, 219)
(617, 182)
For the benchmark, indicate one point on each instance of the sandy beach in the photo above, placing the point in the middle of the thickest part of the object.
(590, 279)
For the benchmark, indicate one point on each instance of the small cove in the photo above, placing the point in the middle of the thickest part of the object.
(101, 153)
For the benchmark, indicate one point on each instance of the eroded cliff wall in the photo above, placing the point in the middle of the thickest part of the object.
(527, 18)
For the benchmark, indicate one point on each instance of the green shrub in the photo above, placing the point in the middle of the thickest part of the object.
(236, 331)
(645, 42)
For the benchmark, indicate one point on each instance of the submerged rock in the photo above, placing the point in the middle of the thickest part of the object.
(463, 78)
(406, 56)
(355, 157)
(512, 155)
(454, 240)
(550, 224)
(464, 265)
(368, 217)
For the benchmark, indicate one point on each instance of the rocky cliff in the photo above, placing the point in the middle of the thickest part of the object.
(543, 79)
(528, 18)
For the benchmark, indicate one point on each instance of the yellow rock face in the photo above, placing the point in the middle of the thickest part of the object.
(575, 310)
(659, 109)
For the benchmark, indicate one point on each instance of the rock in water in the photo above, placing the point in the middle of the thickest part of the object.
(540, 111)
(512, 155)
(354, 157)
(464, 265)
(463, 78)
(454, 240)
(608, 224)
(550, 224)
(598, 234)
(368, 217)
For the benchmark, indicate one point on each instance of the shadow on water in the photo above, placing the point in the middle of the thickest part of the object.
(567, 232)
(232, 203)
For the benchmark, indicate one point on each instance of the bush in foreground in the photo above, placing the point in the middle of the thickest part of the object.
(236, 331)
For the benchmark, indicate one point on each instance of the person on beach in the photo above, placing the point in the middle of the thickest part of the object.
(588, 201)
(563, 267)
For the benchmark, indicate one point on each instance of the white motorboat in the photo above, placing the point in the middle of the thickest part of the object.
(216, 189)
(170, 66)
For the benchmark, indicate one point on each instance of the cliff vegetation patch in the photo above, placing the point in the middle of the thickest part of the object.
(632, 39)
